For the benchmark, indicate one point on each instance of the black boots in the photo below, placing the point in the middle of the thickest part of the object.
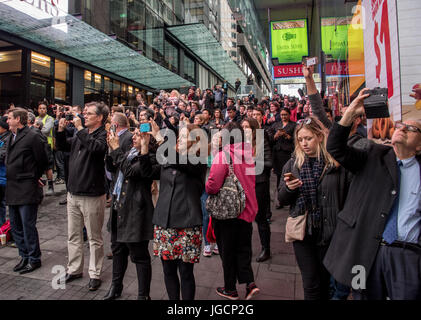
(114, 292)
(264, 255)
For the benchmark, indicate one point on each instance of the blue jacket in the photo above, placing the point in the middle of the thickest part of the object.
(3, 150)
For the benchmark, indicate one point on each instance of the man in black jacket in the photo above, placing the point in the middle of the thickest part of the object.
(26, 160)
(378, 233)
(86, 190)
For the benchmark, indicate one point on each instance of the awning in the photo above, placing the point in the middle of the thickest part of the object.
(201, 42)
(77, 39)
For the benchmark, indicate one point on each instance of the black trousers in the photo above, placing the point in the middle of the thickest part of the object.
(172, 281)
(396, 274)
(139, 255)
(233, 237)
(263, 202)
(59, 157)
(316, 279)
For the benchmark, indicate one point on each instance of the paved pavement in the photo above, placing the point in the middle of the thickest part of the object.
(278, 278)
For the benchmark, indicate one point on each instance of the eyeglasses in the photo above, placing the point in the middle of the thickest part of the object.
(90, 114)
(407, 127)
(304, 121)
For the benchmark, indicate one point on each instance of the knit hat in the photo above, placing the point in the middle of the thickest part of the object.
(3, 123)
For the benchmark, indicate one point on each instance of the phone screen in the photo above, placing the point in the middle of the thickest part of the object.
(145, 127)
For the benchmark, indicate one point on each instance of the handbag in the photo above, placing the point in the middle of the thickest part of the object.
(230, 201)
(295, 228)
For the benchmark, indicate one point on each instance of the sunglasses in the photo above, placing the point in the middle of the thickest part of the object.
(304, 121)
(406, 127)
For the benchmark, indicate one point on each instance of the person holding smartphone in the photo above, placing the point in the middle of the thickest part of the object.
(315, 185)
(282, 135)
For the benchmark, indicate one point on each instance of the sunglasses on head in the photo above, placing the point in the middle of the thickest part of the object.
(304, 121)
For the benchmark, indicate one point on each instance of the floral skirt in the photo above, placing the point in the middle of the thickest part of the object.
(172, 244)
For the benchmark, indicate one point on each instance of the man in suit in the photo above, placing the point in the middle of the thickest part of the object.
(26, 161)
(379, 229)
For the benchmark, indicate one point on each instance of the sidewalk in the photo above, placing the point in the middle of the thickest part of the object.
(277, 278)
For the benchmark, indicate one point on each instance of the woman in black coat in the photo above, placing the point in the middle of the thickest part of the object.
(317, 187)
(282, 134)
(131, 216)
(178, 214)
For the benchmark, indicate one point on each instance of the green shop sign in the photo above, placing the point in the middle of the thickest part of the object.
(289, 40)
(335, 37)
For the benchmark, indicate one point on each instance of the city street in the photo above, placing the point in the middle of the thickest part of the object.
(277, 278)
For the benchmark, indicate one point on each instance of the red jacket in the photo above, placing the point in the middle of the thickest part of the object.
(243, 169)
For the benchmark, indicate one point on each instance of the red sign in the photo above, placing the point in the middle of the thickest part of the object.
(291, 70)
(335, 68)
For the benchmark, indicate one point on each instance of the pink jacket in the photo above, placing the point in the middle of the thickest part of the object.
(243, 169)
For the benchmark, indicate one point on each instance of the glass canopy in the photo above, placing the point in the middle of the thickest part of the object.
(200, 41)
(75, 38)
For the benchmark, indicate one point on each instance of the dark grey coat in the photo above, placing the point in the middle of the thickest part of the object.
(26, 161)
(131, 221)
(331, 192)
(363, 219)
(180, 189)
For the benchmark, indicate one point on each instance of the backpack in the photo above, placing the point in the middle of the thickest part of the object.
(7, 230)
(230, 201)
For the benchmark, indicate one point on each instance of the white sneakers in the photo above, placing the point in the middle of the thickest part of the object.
(207, 250)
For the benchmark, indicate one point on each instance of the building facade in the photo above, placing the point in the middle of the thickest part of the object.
(82, 50)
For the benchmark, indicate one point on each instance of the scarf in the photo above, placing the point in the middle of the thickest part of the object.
(119, 183)
(310, 174)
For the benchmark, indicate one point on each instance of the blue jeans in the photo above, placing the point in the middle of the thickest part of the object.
(339, 290)
(23, 221)
(2, 205)
(203, 199)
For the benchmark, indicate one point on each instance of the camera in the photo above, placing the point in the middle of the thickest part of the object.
(376, 105)
(311, 61)
(69, 117)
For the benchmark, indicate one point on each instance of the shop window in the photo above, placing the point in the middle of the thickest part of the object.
(108, 85)
(40, 64)
(171, 57)
(60, 90)
(189, 69)
(97, 81)
(10, 61)
(116, 88)
(61, 70)
(88, 79)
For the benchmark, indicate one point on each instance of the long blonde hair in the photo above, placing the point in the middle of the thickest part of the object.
(315, 127)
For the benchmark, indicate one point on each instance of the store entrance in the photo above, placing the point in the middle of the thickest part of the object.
(40, 89)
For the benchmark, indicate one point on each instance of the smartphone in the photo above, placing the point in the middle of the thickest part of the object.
(145, 127)
(290, 176)
(311, 61)
(113, 128)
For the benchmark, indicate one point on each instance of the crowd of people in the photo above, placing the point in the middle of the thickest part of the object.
(351, 202)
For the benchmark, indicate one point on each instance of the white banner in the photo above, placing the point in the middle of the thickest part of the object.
(381, 49)
(40, 9)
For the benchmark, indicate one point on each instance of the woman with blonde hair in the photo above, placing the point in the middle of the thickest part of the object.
(315, 186)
